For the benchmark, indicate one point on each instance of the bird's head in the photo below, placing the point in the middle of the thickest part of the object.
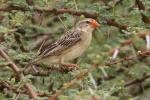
(88, 24)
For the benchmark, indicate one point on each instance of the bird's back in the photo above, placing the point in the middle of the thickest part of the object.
(63, 43)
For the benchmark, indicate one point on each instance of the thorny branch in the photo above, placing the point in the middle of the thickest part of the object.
(142, 7)
(19, 74)
(145, 53)
(85, 72)
(7, 85)
(137, 80)
(51, 11)
(54, 11)
(117, 2)
(45, 72)
(70, 84)
(112, 22)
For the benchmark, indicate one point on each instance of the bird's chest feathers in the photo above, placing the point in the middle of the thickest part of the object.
(85, 39)
(80, 47)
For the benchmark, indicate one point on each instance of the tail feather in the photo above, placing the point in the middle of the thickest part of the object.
(35, 61)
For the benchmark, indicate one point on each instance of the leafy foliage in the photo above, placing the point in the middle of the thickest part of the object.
(25, 24)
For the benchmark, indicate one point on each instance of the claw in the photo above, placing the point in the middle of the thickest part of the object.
(71, 67)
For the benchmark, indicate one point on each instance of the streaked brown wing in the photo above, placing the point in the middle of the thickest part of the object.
(65, 42)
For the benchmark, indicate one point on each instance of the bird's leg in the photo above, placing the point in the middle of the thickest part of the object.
(69, 66)
(34, 68)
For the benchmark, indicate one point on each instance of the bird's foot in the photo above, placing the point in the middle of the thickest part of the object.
(71, 67)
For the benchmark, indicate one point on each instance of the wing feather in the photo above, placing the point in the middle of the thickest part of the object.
(65, 42)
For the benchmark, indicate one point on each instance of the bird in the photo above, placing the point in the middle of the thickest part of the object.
(70, 45)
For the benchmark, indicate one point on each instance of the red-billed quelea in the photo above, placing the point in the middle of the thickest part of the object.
(69, 46)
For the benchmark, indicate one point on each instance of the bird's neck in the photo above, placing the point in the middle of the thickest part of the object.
(86, 30)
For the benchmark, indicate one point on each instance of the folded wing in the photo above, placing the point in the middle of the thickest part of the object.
(65, 42)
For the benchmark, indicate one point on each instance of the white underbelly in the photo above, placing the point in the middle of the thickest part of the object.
(75, 52)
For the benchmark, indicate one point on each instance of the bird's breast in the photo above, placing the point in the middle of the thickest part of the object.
(79, 48)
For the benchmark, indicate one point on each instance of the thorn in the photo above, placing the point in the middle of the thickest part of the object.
(93, 80)
(147, 36)
(115, 54)
(104, 72)
(91, 91)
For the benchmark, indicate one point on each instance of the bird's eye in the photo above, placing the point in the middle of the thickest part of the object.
(87, 22)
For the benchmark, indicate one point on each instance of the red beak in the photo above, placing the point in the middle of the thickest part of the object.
(95, 24)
